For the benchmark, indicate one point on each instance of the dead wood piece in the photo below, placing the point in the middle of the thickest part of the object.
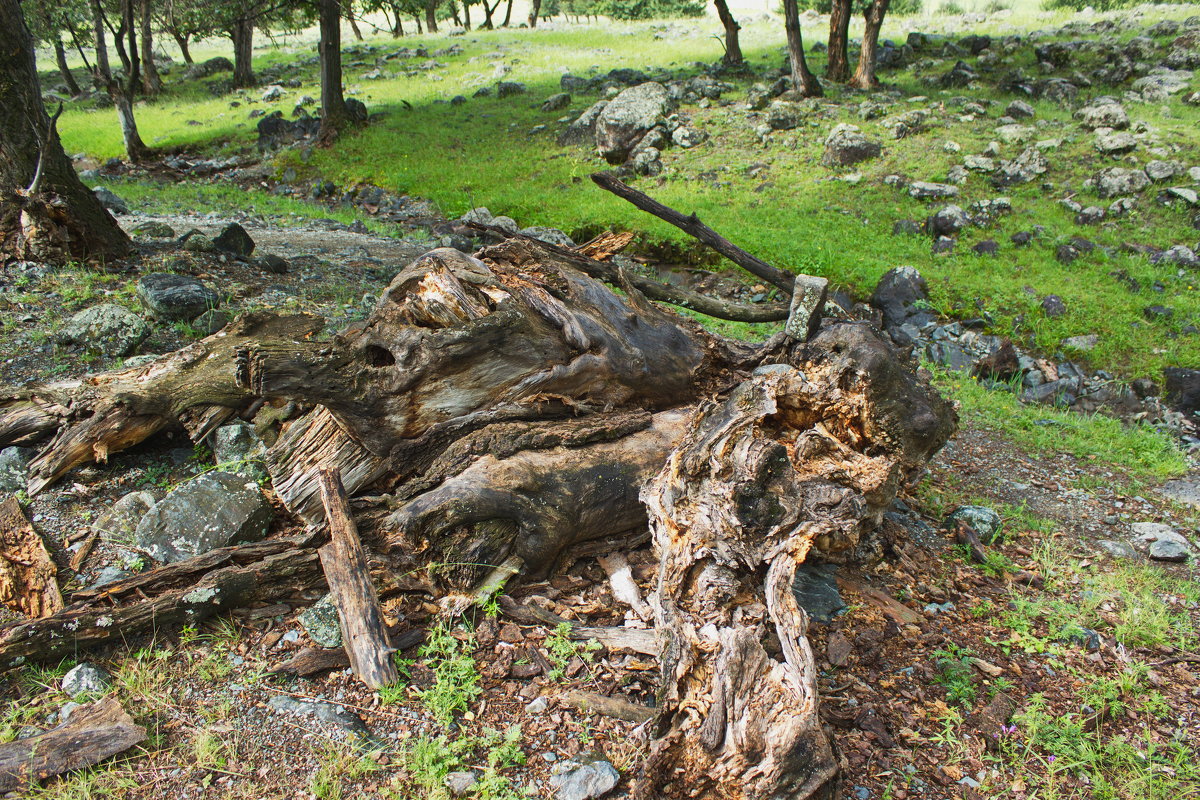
(28, 582)
(312, 660)
(965, 536)
(638, 640)
(890, 606)
(359, 614)
(94, 732)
(692, 226)
(620, 578)
(615, 707)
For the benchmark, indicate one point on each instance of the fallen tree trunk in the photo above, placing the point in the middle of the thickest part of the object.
(511, 412)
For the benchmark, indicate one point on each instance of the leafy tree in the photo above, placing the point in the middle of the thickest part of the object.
(49, 21)
(648, 9)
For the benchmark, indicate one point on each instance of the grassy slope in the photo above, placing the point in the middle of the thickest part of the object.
(794, 214)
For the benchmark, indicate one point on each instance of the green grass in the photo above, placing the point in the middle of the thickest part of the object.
(1139, 451)
(456, 677)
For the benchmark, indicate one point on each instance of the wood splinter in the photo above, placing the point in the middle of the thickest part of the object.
(359, 614)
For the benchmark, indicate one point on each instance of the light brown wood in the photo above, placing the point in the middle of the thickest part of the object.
(94, 732)
(345, 563)
(28, 581)
(615, 707)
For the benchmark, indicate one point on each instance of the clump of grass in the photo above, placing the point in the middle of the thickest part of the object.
(456, 677)
(562, 649)
(955, 674)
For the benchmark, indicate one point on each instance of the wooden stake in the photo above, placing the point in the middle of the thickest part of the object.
(345, 563)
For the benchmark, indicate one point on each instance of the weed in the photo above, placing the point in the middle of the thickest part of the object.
(456, 678)
(562, 649)
(955, 673)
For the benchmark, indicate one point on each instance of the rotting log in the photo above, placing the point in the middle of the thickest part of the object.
(508, 410)
(28, 582)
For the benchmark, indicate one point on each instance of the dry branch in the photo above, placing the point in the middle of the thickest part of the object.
(28, 582)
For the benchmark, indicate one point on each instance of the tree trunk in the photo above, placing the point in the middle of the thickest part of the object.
(864, 76)
(838, 67)
(182, 41)
(431, 16)
(135, 148)
(334, 114)
(60, 58)
(802, 78)
(151, 80)
(398, 25)
(508, 14)
(358, 37)
(466, 15)
(103, 70)
(242, 34)
(534, 10)
(488, 10)
(733, 50)
(61, 219)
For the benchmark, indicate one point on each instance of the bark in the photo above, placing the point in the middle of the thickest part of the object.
(534, 10)
(28, 581)
(488, 10)
(398, 25)
(334, 114)
(353, 20)
(837, 68)
(63, 220)
(864, 76)
(431, 16)
(804, 81)
(242, 34)
(103, 70)
(508, 14)
(151, 80)
(60, 58)
(94, 732)
(135, 148)
(182, 41)
(733, 50)
(466, 15)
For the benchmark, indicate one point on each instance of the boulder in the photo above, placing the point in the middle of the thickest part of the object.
(583, 129)
(109, 329)
(509, 89)
(110, 201)
(1114, 143)
(557, 102)
(783, 115)
(845, 145)
(925, 190)
(902, 296)
(1119, 181)
(320, 621)
(237, 448)
(581, 779)
(210, 511)
(1182, 388)
(947, 221)
(1109, 114)
(173, 298)
(120, 522)
(86, 679)
(234, 239)
(686, 136)
(1024, 168)
(627, 118)
(985, 522)
(1019, 109)
(14, 468)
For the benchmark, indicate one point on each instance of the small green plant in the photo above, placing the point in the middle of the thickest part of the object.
(955, 673)
(562, 649)
(456, 677)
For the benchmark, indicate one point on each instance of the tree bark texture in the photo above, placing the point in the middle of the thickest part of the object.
(534, 10)
(509, 411)
(733, 49)
(804, 81)
(64, 220)
(103, 70)
(242, 34)
(60, 58)
(864, 76)
(28, 582)
(837, 68)
(151, 81)
(431, 15)
(334, 116)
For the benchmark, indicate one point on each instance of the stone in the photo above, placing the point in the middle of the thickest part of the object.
(985, 522)
(583, 129)
(1181, 388)
(1112, 143)
(272, 93)
(808, 302)
(271, 263)
(906, 227)
(845, 145)
(1103, 115)
(209, 67)
(171, 298)
(1179, 255)
(120, 522)
(902, 296)
(107, 328)
(943, 244)
(320, 621)
(1119, 181)
(1083, 343)
(816, 590)
(110, 201)
(234, 239)
(987, 247)
(154, 230)
(1163, 170)
(1184, 490)
(337, 716)
(687, 137)
(979, 163)
(86, 679)
(14, 468)
(646, 161)
(509, 89)
(1090, 215)
(576, 780)
(1011, 134)
(1024, 168)
(548, 235)
(1053, 306)
(557, 102)
(461, 783)
(196, 242)
(924, 190)
(627, 118)
(1021, 238)
(1165, 543)
(1118, 549)
(783, 115)
(1019, 109)
(947, 221)
(237, 448)
(213, 510)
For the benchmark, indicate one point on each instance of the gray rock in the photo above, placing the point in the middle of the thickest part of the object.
(1166, 544)
(460, 784)
(234, 239)
(1085, 342)
(1179, 255)
(320, 621)
(1112, 143)
(1183, 490)
(1118, 549)
(1053, 305)
(845, 145)
(1108, 114)
(14, 467)
(984, 521)
(1161, 82)
(1163, 170)
(197, 242)
(272, 93)
(109, 329)
(646, 161)
(1011, 134)
(509, 89)
(925, 190)
(947, 221)
(210, 322)
(627, 118)
(979, 163)
(110, 201)
(173, 298)
(1019, 109)
(213, 510)
(339, 717)
(686, 136)
(548, 235)
(269, 262)
(572, 780)
(154, 230)
(86, 678)
(1118, 181)
(238, 449)
(583, 129)
(120, 522)
(1185, 194)
(902, 296)
(557, 102)
(784, 116)
(1024, 168)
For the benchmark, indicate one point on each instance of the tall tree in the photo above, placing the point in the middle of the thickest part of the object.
(802, 78)
(45, 210)
(48, 20)
(534, 9)
(334, 114)
(431, 15)
(733, 49)
(864, 76)
(837, 68)
(151, 80)
(121, 89)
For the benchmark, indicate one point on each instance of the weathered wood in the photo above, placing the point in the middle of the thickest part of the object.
(692, 226)
(615, 707)
(28, 582)
(95, 731)
(311, 661)
(359, 613)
